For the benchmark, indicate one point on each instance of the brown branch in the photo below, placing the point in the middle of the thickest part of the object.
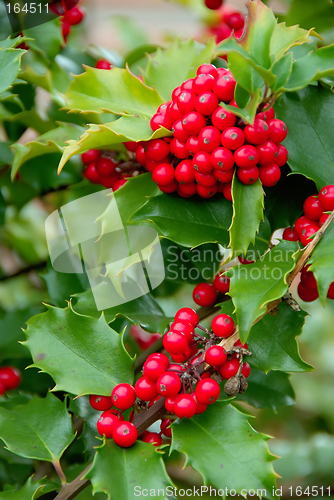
(24, 270)
(71, 490)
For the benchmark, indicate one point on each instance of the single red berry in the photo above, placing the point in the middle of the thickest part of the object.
(187, 190)
(75, 16)
(178, 149)
(161, 120)
(118, 184)
(232, 138)
(100, 403)
(209, 139)
(224, 177)
(110, 181)
(239, 344)
(215, 355)
(107, 423)
(10, 377)
(312, 208)
(163, 108)
(179, 133)
(185, 406)
(103, 64)
(168, 384)
(244, 261)
(206, 191)
(222, 325)
(306, 294)
(206, 103)
(202, 162)
(224, 86)
(169, 403)
(301, 223)
(270, 175)
(213, 4)
(184, 172)
(193, 122)
(330, 293)
(131, 146)
(153, 368)
(176, 92)
(186, 328)
(222, 119)
(125, 434)
(200, 407)
(268, 153)
(204, 294)
(290, 234)
(173, 112)
(227, 191)
(221, 283)
(192, 145)
(278, 131)
(282, 155)
(65, 29)
(222, 159)
(106, 166)
(165, 427)
(123, 396)
(207, 180)
(156, 149)
(207, 391)
(152, 438)
(326, 198)
(90, 156)
(186, 101)
(163, 174)
(175, 342)
(92, 174)
(266, 115)
(206, 68)
(188, 84)
(246, 369)
(248, 176)
(235, 20)
(246, 157)
(307, 233)
(203, 83)
(160, 357)
(146, 388)
(230, 368)
(140, 156)
(187, 314)
(323, 219)
(2, 389)
(257, 133)
(308, 280)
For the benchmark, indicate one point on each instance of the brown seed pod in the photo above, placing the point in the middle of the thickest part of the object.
(232, 386)
(243, 384)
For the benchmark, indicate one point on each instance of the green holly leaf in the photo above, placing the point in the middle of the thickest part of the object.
(3, 206)
(117, 471)
(253, 286)
(144, 311)
(247, 215)
(310, 14)
(282, 68)
(50, 142)
(82, 408)
(249, 111)
(11, 43)
(30, 491)
(322, 263)
(47, 38)
(202, 221)
(133, 195)
(312, 109)
(11, 324)
(61, 344)
(43, 429)
(10, 61)
(314, 66)
(168, 68)
(116, 91)
(271, 391)
(223, 447)
(283, 38)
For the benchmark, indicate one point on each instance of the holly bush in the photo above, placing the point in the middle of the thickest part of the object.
(185, 140)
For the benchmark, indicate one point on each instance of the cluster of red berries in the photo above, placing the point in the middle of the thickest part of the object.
(209, 143)
(103, 167)
(10, 378)
(187, 388)
(316, 212)
(205, 294)
(70, 13)
(229, 20)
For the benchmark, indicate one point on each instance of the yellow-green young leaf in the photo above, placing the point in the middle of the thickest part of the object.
(314, 66)
(10, 61)
(50, 142)
(283, 38)
(247, 215)
(41, 429)
(169, 68)
(127, 128)
(30, 491)
(282, 69)
(228, 453)
(82, 354)
(253, 286)
(249, 111)
(322, 263)
(117, 91)
(11, 43)
(122, 473)
(46, 38)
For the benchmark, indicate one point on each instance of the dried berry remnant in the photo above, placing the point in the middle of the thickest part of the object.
(232, 386)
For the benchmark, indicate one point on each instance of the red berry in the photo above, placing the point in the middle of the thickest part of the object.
(306, 294)
(257, 133)
(221, 283)
(173, 112)
(118, 184)
(65, 29)
(169, 403)
(206, 103)
(213, 4)
(90, 156)
(131, 146)
(175, 342)
(146, 388)
(200, 407)
(186, 101)
(156, 149)
(187, 190)
(160, 357)
(278, 131)
(206, 68)
(312, 208)
(215, 355)
(307, 233)
(323, 219)
(301, 223)
(222, 325)
(330, 293)
(246, 157)
(153, 368)
(165, 427)
(163, 108)
(163, 174)
(179, 133)
(110, 181)
(209, 139)
(178, 149)
(266, 115)
(207, 391)
(202, 162)
(140, 156)
(192, 145)
(204, 294)
(224, 87)
(239, 344)
(100, 403)
(232, 138)
(10, 377)
(193, 122)
(184, 172)
(223, 119)
(227, 191)
(2, 389)
(161, 120)
(123, 396)
(268, 153)
(246, 369)
(308, 280)
(75, 16)
(203, 83)
(270, 175)
(290, 234)
(185, 406)
(103, 64)
(326, 198)
(168, 384)
(206, 191)
(186, 328)
(107, 423)
(230, 368)
(152, 438)
(249, 175)
(106, 166)
(244, 261)
(282, 156)
(92, 174)
(187, 314)
(188, 84)
(223, 177)
(207, 180)
(222, 159)
(176, 92)
(235, 21)
(125, 434)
